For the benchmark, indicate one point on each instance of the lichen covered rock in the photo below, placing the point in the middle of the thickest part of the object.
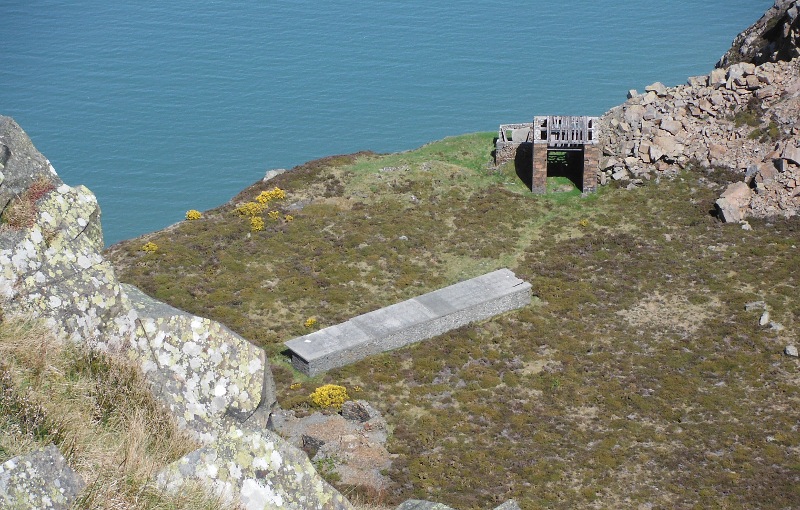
(51, 267)
(40, 480)
(215, 382)
(203, 371)
(260, 468)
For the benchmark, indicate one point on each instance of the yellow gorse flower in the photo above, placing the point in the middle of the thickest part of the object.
(256, 223)
(329, 395)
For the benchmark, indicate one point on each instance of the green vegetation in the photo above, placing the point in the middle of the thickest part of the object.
(753, 115)
(100, 414)
(636, 377)
(769, 133)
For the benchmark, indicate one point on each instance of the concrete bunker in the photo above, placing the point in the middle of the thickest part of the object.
(409, 321)
(551, 146)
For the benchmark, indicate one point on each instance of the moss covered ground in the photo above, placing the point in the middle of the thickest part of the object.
(637, 375)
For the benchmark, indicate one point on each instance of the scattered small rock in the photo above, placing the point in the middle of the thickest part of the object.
(764, 320)
(353, 442)
(791, 350)
(271, 174)
(755, 305)
(359, 410)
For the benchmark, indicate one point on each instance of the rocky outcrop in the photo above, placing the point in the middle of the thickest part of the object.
(258, 468)
(217, 384)
(352, 444)
(206, 374)
(772, 38)
(744, 118)
(51, 267)
(39, 480)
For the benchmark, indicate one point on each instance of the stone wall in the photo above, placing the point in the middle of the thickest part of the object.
(591, 163)
(505, 146)
(539, 179)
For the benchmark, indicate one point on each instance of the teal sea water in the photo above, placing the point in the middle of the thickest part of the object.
(161, 107)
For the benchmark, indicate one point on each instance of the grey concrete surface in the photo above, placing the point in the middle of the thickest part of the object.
(410, 321)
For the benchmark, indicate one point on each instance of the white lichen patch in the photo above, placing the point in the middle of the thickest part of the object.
(203, 369)
(41, 479)
(261, 468)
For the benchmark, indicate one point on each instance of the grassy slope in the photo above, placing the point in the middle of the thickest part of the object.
(637, 376)
(100, 414)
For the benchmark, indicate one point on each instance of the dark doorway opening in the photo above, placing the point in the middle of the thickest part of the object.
(523, 161)
(566, 163)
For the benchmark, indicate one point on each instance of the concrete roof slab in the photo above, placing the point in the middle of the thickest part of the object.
(326, 341)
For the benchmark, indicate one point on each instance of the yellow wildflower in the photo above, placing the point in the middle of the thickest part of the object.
(193, 214)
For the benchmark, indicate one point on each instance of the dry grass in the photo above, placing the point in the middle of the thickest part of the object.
(98, 411)
(22, 211)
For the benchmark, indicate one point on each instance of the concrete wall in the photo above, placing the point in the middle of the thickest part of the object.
(410, 321)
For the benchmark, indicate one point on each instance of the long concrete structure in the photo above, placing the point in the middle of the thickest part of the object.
(410, 321)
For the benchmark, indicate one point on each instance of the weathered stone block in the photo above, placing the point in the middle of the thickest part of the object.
(39, 480)
(201, 370)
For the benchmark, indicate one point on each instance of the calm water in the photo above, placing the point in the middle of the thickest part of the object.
(162, 107)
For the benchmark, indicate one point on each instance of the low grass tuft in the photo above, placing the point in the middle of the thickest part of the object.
(100, 413)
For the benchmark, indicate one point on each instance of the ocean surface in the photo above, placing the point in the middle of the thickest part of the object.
(161, 107)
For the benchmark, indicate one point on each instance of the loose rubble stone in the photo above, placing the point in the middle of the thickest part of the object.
(39, 480)
(358, 410)
(791, 350)
(354, 446)
(662, 131)
(730, 206)
(658, 88)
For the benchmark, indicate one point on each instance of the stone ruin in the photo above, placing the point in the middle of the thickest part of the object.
(553, 145)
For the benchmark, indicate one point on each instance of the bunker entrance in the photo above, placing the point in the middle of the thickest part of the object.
(566, 163)
(561, 146)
